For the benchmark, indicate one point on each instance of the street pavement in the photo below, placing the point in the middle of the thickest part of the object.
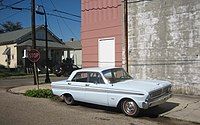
(186, 108)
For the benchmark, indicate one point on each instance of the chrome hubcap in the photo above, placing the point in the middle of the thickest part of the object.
(68, 99)
(129, 107)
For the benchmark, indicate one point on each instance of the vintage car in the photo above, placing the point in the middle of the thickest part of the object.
(112, 87)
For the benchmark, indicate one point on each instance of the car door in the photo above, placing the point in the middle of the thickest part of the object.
(77, 86)
(96, 89)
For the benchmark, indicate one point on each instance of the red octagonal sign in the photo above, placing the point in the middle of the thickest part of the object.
(33, 55)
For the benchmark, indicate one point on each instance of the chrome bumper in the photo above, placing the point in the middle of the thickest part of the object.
(156, 101)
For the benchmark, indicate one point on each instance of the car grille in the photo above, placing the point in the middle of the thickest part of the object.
(160, 92)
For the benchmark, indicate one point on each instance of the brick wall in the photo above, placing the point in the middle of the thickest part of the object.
(100, 19)
(164, 42)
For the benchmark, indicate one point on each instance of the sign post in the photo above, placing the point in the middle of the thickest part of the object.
(34, 56)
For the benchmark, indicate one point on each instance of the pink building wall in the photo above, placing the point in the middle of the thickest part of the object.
(100, 19)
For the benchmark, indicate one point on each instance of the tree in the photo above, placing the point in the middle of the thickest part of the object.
(9, 26)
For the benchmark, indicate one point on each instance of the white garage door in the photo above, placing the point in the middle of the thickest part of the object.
(106, 52)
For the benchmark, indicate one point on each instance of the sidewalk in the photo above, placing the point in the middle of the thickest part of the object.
(186, 108)
(23, 89)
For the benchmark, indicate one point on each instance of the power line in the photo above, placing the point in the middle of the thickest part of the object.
(64, 21)
(10, 16)
(17, 2)
(70, 30)
(63, 17)
(12, 4)
(20, 8)
(57, 21)
(67, 13)
(60, 28)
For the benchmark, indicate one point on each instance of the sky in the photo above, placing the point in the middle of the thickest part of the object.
(64, 28)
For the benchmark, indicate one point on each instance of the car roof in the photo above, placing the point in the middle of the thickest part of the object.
(95, 69)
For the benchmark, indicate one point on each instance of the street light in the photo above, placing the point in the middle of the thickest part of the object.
(40, 10)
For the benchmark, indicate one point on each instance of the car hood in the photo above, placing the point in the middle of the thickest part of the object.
(141, 85)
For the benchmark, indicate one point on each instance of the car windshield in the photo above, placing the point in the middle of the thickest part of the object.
(116, 75)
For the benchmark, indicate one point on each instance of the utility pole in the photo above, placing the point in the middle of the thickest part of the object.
(126, 32)
(34, 41)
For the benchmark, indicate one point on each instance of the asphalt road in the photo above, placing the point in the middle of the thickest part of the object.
(14, 82)
(21, 110)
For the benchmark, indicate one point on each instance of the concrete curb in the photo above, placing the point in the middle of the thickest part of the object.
(23, 89)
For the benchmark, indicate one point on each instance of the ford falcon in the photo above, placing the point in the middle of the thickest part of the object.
(112, 87)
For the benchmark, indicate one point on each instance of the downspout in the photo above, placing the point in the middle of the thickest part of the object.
(126, 32)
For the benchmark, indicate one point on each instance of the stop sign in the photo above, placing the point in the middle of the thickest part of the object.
(33, 55)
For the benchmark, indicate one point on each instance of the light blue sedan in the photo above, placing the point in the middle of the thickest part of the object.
(112, 87)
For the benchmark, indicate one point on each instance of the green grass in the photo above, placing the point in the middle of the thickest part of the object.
(39, 93)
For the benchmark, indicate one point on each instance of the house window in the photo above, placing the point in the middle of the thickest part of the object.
(13, 56)
(7, 51)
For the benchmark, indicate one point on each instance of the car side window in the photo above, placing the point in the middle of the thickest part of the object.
(80, 77)
(96, 78)
(108, 75)
(118, 74)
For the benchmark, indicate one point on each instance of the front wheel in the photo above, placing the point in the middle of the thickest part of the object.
(129, 108)
(69, 100)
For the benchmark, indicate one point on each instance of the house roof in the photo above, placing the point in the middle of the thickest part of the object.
(42, 43)
(15, 36)
(12, 37)
(76, 45)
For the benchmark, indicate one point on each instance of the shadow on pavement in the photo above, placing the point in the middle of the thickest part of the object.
(110, 110)
(153, 112)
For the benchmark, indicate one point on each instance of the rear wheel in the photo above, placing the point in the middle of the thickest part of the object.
(69, 100)
(129, 107)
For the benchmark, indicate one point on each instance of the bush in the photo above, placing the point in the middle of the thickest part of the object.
(2, 75)
(7, 73)
(39, 93)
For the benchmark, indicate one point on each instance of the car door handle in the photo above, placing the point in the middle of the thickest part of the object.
(69, 83)
(87, 85)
